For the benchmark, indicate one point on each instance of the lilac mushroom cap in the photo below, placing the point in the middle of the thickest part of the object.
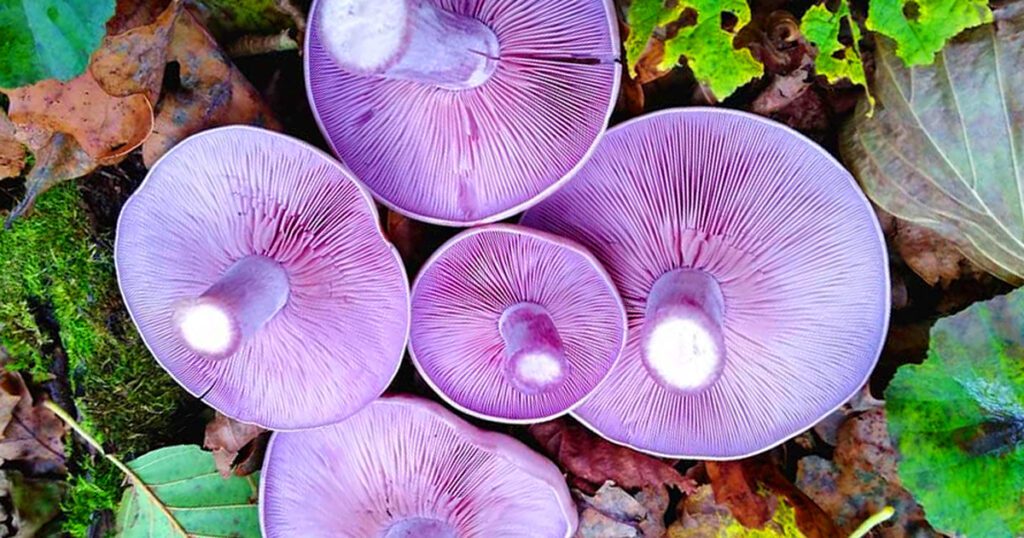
(406, 467)
(515, 325)
(256, 271)
(754, 275)
(462, 112)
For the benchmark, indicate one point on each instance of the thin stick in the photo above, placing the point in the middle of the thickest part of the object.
(872, 522)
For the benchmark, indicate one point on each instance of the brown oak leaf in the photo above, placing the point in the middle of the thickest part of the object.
(32, 434)
(226, 437)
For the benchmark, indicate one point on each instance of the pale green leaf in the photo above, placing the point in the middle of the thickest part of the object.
(186, 496)
(835, 61)
(920, 28)
(41, 39)
(958, 420)
(945, 149)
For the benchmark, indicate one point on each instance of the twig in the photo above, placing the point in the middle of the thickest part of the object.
(872, 522)
(254, 45)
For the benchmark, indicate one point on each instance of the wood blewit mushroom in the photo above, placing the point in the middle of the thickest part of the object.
(753, 272)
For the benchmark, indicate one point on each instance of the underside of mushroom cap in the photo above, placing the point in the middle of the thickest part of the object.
(405, 466)
(514, 325)
(241, 200)
(459, 157)
(773, 242)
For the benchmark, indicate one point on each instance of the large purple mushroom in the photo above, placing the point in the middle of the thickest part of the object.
(514, 325)
(458, 112)
(256, 271)
(404, 467)
(753, 272)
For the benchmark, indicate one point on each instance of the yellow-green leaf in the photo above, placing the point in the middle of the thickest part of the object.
(835, 61)
(922, 27)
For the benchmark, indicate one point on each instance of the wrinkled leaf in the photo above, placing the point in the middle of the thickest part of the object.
(920, 28)
(49, 38)
(700, 516)
(958, 420)
(226, 437)
(945, 150)
(33, 502)
(186, 496)
(835, 60)
(862, 480)
(596, 460)
(753, 489)
(31, 434)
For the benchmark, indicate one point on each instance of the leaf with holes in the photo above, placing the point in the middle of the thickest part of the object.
(946, 146)
(958, 421)
(835, 61)
(184, 495)
(921, 27)
(49, 38)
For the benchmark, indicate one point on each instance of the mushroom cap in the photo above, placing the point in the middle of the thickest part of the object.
(232, 192)
(459, 158)
(458, 300)
(793, 244)
(404, 458)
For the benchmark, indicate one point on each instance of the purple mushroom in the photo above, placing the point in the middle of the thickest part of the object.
(462, 112)
(514, 325)
(256, 271)
(754, 276)
(404, 467)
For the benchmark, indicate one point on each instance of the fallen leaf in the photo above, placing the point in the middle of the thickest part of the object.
(106, 127)
(32, 503)
(12, 157)
(622, 514)
(133, 61)
(835, 60)
(920, 28)
(32, 434)
(862, 480)
(211, 92)
(752, 489)
(226, 437)
(594, 524)
(701, 516)
(60, 159)
(828, 428)
(935, 259)
(596, 460)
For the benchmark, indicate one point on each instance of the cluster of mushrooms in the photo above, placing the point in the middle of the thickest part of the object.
(695, 283)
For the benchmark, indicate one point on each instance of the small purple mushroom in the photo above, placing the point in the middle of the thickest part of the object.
(404, 467)
(462, 112)
(754, 276)
(514, 325)
(256, 271)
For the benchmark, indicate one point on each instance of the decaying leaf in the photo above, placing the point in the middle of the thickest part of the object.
(612, 512)
(32, 503)
(862, 480)
(753, 489)
(943, 149)
(958, 421)
(12, 156)
(211, 92)
(701, 516)
(227, 437)
(836, 61)
(828, 428)
(596, 460)
(934, 258)
(133, 61)
(32, 434)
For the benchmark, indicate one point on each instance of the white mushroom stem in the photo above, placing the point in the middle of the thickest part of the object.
(250, 293)
(408, 40)
(534, 356)
(682, 343)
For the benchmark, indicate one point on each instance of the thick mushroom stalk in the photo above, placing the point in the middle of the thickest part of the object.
(409, 40)
(534, 356)
(215, 324)
(682, 342)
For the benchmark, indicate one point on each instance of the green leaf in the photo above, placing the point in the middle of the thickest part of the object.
(945, 149)
(184, 495)
(49, 38)
(709, 49)
(921, 27)
(835, 60)
(642, 16)
(958, 420)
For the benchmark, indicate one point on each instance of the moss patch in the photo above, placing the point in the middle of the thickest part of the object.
(58, 292)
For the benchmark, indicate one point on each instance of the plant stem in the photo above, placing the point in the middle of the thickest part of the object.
(872, 522)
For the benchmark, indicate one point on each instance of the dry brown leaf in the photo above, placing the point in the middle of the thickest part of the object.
(133, 61)
(33, 434)
(106, 127)
(935, 259)
(131, 14)
(12, 157)
(226, 437)
(596, 460)
(212, 92)
(740, 486)
(863, 479)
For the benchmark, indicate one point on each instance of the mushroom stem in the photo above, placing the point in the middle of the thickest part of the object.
(408, 40)
(246, 296)
(534, 356)
(682, 343)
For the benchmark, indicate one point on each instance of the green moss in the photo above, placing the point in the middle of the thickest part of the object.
(54, 272)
